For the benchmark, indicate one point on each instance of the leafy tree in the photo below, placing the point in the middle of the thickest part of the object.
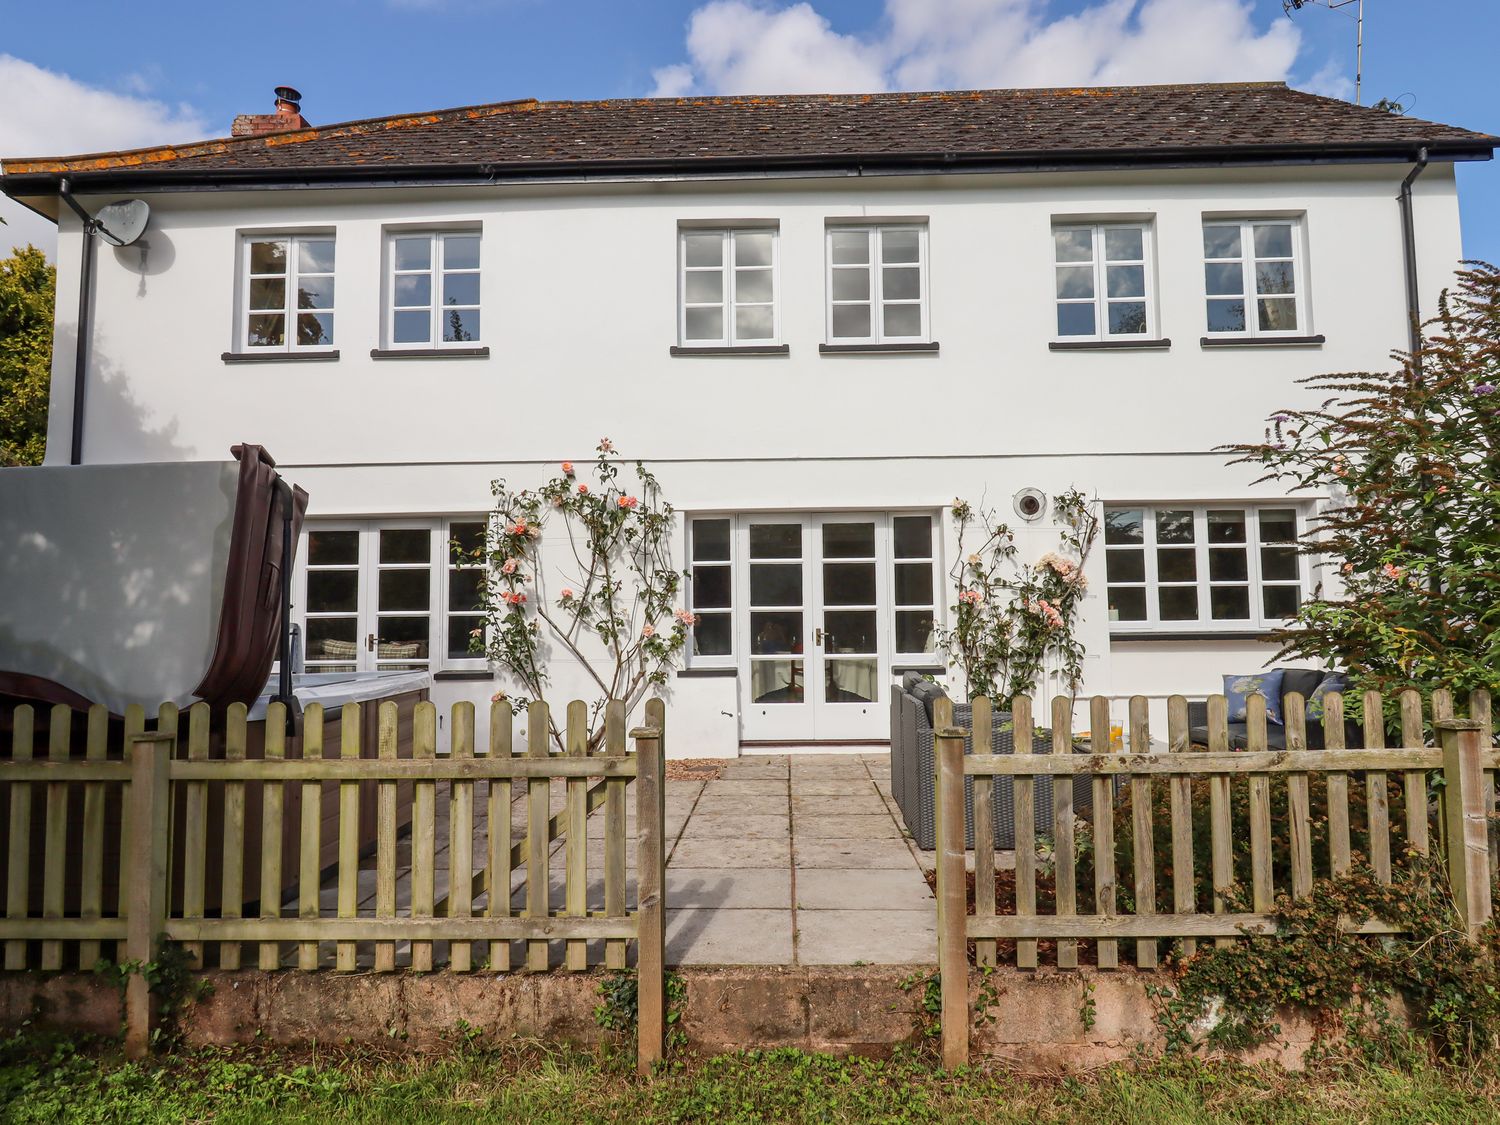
(1409, 457)
(27, 283)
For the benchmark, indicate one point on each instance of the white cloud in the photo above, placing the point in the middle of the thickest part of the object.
(749, 46)
(54, 115)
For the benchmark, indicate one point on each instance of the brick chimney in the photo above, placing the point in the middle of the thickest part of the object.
(288, 116)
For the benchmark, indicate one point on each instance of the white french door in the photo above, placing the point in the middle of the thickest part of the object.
(815, 633)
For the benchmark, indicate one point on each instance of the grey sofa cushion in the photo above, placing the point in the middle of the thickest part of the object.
(927, 693)
(910, 680)
(1301, 680)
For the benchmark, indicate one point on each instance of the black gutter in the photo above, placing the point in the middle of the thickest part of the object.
(1409, 245)
(81, 342)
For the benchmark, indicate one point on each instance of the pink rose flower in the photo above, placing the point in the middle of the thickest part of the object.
(1392, 571)
(583, 490)
(606, 446)
(567, 468)
(497, 697)
(509, 567)
(627, 501)
(649, 631)
(567, 593)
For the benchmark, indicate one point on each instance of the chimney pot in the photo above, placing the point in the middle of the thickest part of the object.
(288, 116)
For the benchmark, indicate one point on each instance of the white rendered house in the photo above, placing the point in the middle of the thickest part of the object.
(818, 319)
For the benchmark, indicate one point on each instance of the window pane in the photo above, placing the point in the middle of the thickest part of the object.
(703, 249)
(460, 631)
(412, 328)
(752, 249)
(705, 324)
(332, 548)
(469, 536)
(1226, 526)
(903, 320)
(704, 287)
(752, 285)
(851, 285)
(267, 330)
(850, 247)
(315, 292)
(1176, 565)
(413, 253)
(772, 633)
(772, 584)
(405, 589)
(711, 635)
(1221, 241)
(1229, 603)
(776, 541)
(1075, 281)
(1228, 564)
(901, 284)
(460, 326)
(711, 540)
(1278, 525)
(755, 323)
(711, 587)
(268, 257)
(1127, 318)
(460, 289)
(315, 329)
(913, 537)
(1127, 603)
(915, 632)
(1224, 278)
(1226, 316)
(851, 681)
(332, 591)
(1279, 315)
(405, 545)
(402, 638)
(414, 289)
(1273, 240)
(1124, 244)
(1126, 281)
(332, 638)
(465, 589)
(1274, 277)
(1125, 566)
(461, 251)
(269, 293)
(851, 321)
(777, 681)
(1177, 603)
(900, 246)
(1074, 245)
(1122, 525)
(315, 256)
(914, 583)
(1278, 563)
(1280, 601)
(848, 583)
(849, 541)
(849, 631)
(1174, 527)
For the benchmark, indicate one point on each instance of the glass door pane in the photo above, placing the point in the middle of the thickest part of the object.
(403, 622)
(777, 611)
(332, 603)
(851, 613)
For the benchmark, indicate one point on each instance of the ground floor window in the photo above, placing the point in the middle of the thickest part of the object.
(1211, 566)
(391, 595)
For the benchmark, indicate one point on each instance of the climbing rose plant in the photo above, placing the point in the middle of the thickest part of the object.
(1409, 458)
(1013, 618)
(612, 610)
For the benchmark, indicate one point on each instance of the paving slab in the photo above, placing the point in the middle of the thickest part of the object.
(764, 888)
(737, 826)
(833, 788)
(698, 936)
(744, 787)
(894, 888)
(878, 826)
(749, 805)
(846, 937)
(727, 852)
(851, 854)
(842, 804)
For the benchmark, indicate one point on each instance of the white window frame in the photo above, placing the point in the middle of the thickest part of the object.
(901, 656)
(289, 311)
(1101, 299)
(729, 303)
(1204, 622)
(1247, 261)
(733, 610)
(876, 232)
(437, 242)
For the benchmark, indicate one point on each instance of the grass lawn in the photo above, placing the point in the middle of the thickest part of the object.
(56, 1080)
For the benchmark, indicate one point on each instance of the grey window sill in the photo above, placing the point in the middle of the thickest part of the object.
(925, 669)
(1196, 635)
(429, 353)
(861, 349)
(1263, 342)
(744, 349)
(459, 675)
(705, 673)
(279, 357)
(1109, 345)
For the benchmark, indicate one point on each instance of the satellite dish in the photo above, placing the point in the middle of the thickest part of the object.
(122, 221)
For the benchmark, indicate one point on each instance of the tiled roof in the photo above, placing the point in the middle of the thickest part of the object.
(1105, 124)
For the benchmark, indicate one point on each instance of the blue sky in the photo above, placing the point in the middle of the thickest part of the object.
(96, 77)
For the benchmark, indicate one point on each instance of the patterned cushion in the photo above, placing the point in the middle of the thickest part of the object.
(1267, 684)
(1333, 681)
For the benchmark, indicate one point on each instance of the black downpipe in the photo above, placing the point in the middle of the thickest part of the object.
(1409, 244)
(80, 350)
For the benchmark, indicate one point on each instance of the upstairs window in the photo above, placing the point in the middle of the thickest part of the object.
(432, 295)
(288, 293)
(1252, 277)
(727, 288)
(877, 285)
(1103, 275)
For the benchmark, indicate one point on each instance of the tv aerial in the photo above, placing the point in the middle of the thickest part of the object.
(1290, 6)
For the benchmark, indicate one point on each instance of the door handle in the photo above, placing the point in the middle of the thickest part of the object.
(818, 637)
(370, 643)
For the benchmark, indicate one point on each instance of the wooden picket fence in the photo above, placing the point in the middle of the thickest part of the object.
(158, 885)
(1456, 814)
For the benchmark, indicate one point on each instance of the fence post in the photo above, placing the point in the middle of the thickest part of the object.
(953, 958)
(146, 905)
(1467, 825)
(651, 905)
